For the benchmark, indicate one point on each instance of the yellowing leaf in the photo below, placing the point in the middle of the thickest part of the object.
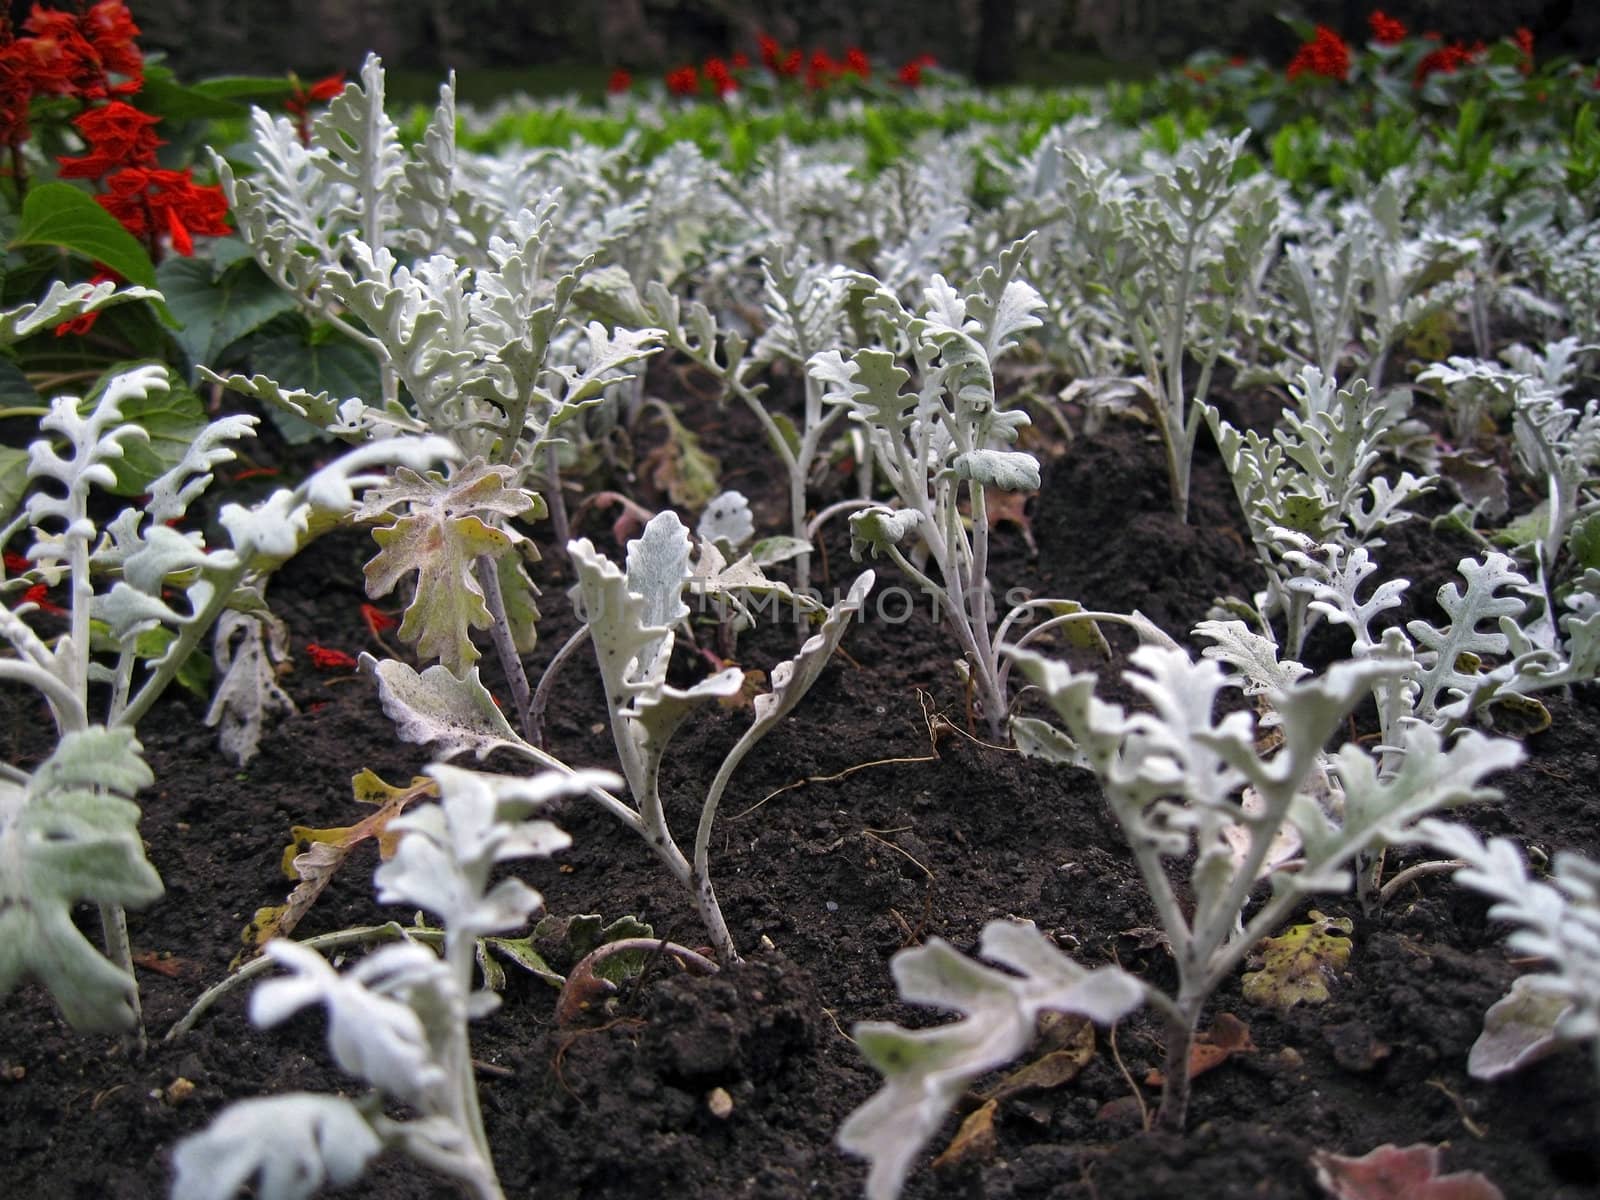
(315, 855)
(1297, 964)
(1068, 1046)
(975, 1141)
(447, 525)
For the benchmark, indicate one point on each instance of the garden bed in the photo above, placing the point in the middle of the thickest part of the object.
(828, 859)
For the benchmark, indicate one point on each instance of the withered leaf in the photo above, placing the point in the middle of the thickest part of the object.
(975, 1141)
(1227, 1036)
(315, 856)
(1297, 964)
(1069, 1047)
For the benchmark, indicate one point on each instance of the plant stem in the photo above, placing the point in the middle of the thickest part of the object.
(504, 645)
(114, 930)
(1181, 1023)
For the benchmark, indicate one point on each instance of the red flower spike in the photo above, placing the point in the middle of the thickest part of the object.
(36, 595)
(150, 202)
(1386, 31)
(1326, 54)
(377, 620)
(857, 63)
(621, 81)
(770, 51)
(320, 92)
(791, 63)
(1524, 41)
(326, 659)
(740, 61)
(118, 135)
(911, 73)
(685, 81)
(721, 78)
(16, 563)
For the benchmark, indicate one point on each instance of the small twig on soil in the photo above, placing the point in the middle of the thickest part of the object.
(1417, 871)
(495, 1069)
(838, 1027)
(873, 834)
(1133, 1086)
(1473, 1127)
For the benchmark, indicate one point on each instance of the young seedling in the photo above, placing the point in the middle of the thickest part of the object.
(398, 1019)
(1183, 785)
(630, 616)
(150, 634)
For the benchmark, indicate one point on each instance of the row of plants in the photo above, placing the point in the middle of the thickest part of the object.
(468, 328)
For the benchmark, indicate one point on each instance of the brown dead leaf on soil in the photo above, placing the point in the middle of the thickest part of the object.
(1068, 1043)
(1227, 1036)
(975, 1141)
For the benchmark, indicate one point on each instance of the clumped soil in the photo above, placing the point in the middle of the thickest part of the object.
(828, 860)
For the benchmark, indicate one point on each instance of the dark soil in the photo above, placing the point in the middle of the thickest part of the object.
(821, 884)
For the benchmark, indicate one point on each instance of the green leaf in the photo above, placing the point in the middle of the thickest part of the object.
(13, 479)
(173, 419)
(58, 214)
(218, 311)
(15, 390)
(70, 834)
(175, 102)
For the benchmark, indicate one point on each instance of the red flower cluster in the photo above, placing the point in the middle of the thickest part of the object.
(621, 81)
(911, 73)
(1386, 31)
(1524, 42)
(721, 77)
(1326, 54)
(685, 81)
(117, 134)
(89, 54)
(150, 202)
(1446, 60)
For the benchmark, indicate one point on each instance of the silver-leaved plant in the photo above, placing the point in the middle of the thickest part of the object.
(1185, 786)
(399, 1018)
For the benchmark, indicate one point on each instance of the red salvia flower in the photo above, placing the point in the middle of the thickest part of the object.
(378, 621)
(911, 73)
(820, 71)
(740, 61)
(1524, 40)
(119, 135)
(36, 595)
(768, 47)
(1386, 31)
(76, 54)
(685, 81)
(720, 77)
(150, 202)
(1325, 54)
(16, 563)
(621, 81)
(326, 659)
(857, 63)
(792, 63)
(302, 98)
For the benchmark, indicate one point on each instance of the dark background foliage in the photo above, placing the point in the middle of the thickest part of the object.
(996, 40)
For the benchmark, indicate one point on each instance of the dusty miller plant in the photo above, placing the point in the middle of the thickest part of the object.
(367, 236)
(629, 617)
(65, 833)
(1315, 480)
(937, 447)
(1184, 785)
(398, 1018)
(1169, 261)
(1558, 924)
